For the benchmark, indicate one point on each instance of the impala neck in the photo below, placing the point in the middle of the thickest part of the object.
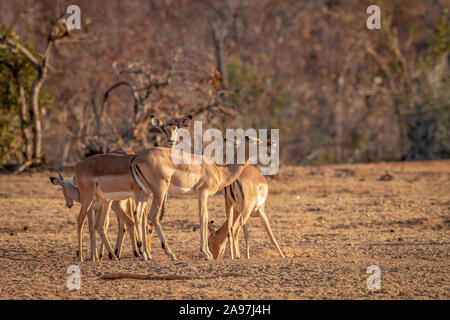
(219, 238)
(230, 173)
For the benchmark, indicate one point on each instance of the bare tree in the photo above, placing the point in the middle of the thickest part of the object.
(40, 61)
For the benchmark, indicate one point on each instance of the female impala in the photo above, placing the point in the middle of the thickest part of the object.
(106, 178)
(162, 170)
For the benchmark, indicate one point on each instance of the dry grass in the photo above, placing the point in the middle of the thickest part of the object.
(332, 222)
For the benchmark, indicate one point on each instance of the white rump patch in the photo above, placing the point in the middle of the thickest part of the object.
(260, 200)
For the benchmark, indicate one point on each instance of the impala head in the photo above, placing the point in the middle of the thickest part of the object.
(171, 128)
(216, 245)
(66, 185)
(249, 143)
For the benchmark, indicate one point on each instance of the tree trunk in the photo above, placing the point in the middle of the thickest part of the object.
(25, 121)
(35, 111)
(35, 115)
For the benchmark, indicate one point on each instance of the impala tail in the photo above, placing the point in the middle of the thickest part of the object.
(139, 177)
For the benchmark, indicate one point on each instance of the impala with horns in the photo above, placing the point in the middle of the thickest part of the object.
(162, 170)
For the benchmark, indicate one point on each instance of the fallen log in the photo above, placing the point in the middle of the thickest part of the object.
(120, 275)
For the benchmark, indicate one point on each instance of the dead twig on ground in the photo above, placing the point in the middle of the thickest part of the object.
(120, 275)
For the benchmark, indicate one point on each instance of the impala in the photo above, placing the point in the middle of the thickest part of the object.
(71, 193)
(244, 198)
(107, 177)
(161, 170)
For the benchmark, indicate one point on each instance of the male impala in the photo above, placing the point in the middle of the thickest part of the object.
(243, 198)
(156, 172)
(107, 178)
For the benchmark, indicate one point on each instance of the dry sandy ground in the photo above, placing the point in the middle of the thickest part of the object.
(332, 222)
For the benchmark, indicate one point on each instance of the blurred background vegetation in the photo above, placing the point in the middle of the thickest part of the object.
(337, 91)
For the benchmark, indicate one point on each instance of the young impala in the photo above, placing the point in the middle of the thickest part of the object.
(244, 198)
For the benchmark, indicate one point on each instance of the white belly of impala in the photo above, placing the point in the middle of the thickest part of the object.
(179, 190)
(117, 196)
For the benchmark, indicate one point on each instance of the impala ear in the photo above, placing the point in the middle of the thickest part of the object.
(155, 121)
(183, 123)
(54, 181)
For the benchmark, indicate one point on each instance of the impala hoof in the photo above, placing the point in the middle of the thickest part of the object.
(207, 256)
(116, 252)
(139, 244)
(78, 253)
(136, 254)
(110, 256)
(146, 257)
(163, 246)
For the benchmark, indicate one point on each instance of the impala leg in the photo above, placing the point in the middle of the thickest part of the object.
(236, 243)
(102, 247)
(125, 219)
(203, 216)
(246, 236)
(155, 211)
(85, 206)
(238, 224)
(136, 236)
(138, 218)
(150, 229)
(229, 216)
(120, 238)
(91, 219)
(122, 229)
(100, 227)
(132, 213)
(143, 229)
(266, 225)
(106, 225)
